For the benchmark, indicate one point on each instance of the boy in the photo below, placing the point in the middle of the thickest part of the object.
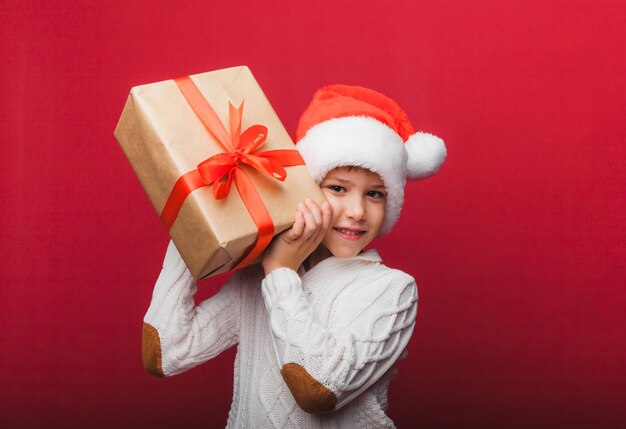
(318, 327)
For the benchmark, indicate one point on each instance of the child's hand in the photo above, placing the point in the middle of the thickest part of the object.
(290, 248)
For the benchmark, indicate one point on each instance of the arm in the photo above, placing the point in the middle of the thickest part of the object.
(327, 367)
(177, 335)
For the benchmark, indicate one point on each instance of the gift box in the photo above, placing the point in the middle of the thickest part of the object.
(216, 163)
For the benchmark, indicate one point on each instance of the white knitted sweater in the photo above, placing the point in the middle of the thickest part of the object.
(346, 321)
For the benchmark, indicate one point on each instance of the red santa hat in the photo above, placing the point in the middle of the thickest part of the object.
(355, 126)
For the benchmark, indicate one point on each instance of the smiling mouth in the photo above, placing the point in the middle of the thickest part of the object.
(349, 234)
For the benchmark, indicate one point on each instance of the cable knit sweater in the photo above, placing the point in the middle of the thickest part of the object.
(327, 339)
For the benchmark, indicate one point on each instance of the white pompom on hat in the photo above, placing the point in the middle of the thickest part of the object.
(355, 126)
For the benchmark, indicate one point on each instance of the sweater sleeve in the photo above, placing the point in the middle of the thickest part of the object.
(326, 367)
(177, 334)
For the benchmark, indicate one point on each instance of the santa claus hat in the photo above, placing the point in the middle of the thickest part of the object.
(354, 126)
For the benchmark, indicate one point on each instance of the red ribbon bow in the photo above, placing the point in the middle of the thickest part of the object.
(221, 169)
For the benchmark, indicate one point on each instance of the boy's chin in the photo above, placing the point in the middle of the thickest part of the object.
(345, 251)
(345, 254)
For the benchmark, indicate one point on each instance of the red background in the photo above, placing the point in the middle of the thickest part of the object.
(517, 245)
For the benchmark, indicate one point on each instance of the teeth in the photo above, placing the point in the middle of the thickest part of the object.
(348, 232)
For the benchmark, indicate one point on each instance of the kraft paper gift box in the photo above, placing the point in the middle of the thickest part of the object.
(164, 133)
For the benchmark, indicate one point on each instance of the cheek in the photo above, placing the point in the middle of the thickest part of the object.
(335, 205)
(377, 215)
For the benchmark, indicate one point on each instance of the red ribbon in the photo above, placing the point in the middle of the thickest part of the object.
(221, 169)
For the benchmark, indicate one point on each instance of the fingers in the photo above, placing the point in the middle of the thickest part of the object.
(310, 226)
(296, 230)
(315, 210)
(311, 222)
(293, 246)
(327, 213)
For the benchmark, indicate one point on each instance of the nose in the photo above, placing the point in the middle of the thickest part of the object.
(356, 210)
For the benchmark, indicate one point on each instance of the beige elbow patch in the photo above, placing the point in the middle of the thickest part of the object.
(311, 395)
(151, 350)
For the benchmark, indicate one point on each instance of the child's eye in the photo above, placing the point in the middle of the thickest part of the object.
(336, 188)
(376, 194)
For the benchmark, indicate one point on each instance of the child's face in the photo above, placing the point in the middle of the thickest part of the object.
(358, 199)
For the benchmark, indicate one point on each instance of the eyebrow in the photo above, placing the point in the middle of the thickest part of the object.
(350, 182)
